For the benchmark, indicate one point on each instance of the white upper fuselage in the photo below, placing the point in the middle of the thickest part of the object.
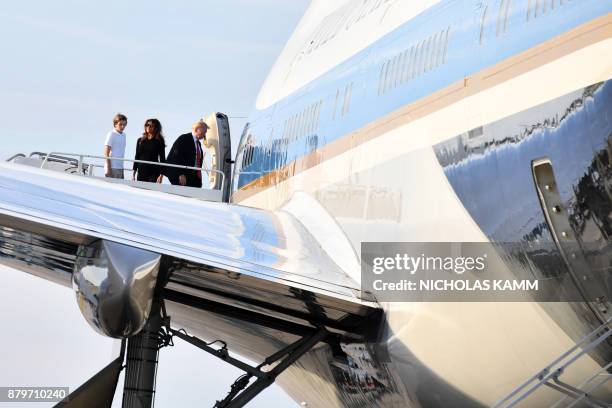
(330, 33)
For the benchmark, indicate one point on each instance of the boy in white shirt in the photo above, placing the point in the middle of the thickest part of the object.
(114, 146)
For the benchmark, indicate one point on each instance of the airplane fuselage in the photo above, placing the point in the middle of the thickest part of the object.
(429, 132)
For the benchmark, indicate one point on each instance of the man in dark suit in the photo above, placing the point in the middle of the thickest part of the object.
(187, 151)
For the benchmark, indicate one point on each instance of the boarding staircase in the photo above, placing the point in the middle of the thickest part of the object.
(582, 395)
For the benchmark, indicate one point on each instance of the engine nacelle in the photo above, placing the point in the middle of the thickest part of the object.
(115, 285)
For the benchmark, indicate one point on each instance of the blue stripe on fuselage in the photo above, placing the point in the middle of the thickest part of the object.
(472, 46)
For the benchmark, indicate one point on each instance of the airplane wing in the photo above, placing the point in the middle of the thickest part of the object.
(225, 259)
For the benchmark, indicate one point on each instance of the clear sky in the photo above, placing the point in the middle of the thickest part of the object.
(67, 67)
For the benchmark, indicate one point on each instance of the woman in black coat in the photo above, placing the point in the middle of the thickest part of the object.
(150, 147)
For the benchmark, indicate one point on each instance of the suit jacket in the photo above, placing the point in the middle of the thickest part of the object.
(183, 153)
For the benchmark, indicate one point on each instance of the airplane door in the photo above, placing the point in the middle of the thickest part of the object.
(219, 145)
(581, 257)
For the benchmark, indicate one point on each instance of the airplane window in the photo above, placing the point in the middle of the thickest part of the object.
(502, 17)
(384, 84)
(308, 121)
(506, 13)
(247, 157)
(338, 93)
(250, 155)
(389, 78)
(350, 95)
(392, 73)
(528, 14)
(477, 132)
(381, 81)
(402, 73)
(398, 70)
(347, 99)
(433, 55)
(419, 60)
(312, 120)
(316, 39)
(426, 55)
(445, 45)
(540, 7)
(403, 62)
(296, 126)
(285, 128)
(440, 49)
(410, 64)
(291, 128)
(362, 11)
(439, 45)
(428, 52)
(422, 57)
(326, 30)
(302, 124)
(385, 79)
(389, 84)
(318, 114)
(499, 17)
(484, 19)
(288, 133)
(312, 125)
(423, 67)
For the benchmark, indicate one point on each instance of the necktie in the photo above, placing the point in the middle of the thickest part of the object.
(198, 158)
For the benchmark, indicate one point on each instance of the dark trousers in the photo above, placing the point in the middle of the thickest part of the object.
(150, 178)
(192, 180)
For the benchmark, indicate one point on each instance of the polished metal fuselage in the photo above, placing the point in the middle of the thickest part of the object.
(428, 134)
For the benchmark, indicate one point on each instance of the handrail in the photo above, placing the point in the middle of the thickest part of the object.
(586, 344)
(15, 156)
(590, 389)
(89, 156)
(55, 158)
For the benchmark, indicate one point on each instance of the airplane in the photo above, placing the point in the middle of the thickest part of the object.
(485, 121)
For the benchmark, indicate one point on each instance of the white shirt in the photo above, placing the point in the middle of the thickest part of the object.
(116, 142)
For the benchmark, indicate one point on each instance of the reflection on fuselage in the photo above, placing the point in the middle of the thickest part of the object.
(490, 171)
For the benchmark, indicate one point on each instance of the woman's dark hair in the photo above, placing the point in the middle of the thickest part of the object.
(157, 131)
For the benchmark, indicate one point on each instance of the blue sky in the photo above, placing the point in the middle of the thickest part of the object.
(67, 68)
